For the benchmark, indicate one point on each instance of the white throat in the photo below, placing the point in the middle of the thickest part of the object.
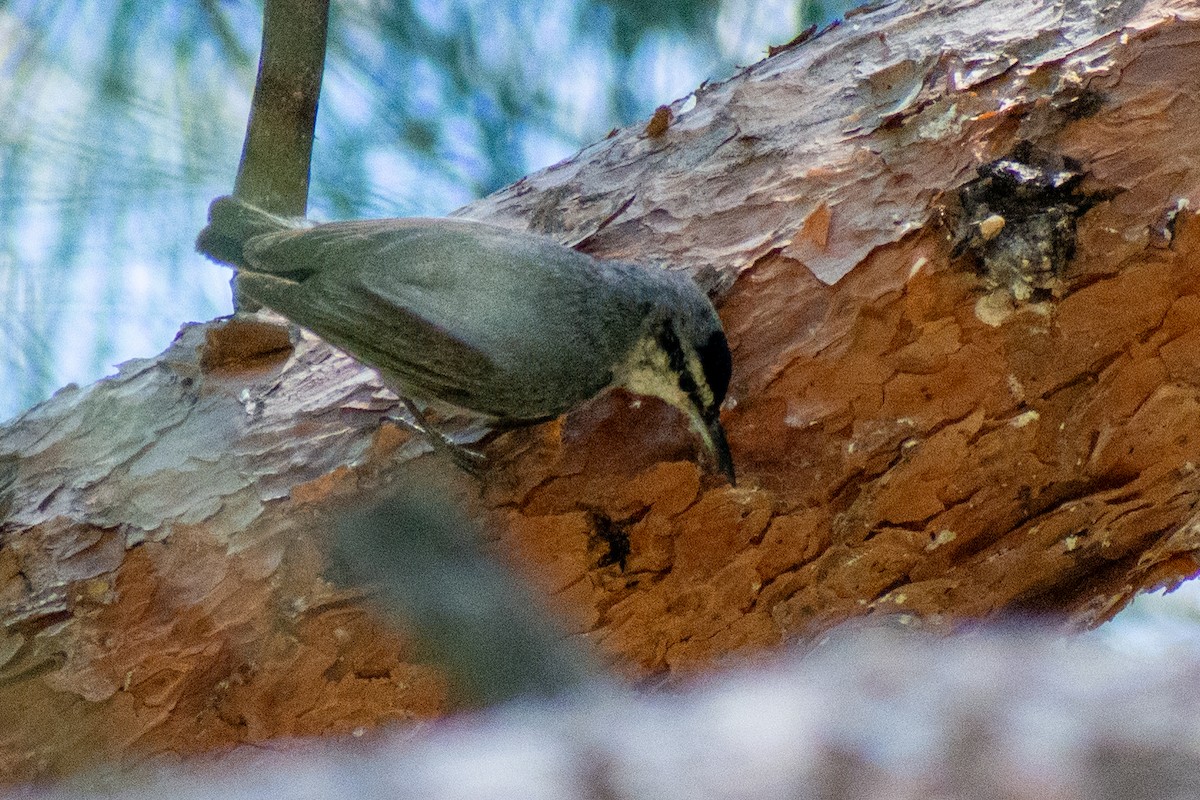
(647, 371)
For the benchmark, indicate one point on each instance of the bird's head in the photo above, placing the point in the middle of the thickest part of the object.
(683, 358)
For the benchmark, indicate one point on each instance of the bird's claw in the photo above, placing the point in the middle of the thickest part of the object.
(465, 458)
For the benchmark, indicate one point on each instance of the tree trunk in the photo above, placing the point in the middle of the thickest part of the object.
(951, 250)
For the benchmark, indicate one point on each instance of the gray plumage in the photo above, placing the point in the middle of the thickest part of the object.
(507, 324)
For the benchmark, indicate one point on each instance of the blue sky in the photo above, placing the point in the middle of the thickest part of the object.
(96, 264)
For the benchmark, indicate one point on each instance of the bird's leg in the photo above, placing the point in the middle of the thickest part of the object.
(470, 460)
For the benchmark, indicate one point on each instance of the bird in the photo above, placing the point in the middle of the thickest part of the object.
(510, 325)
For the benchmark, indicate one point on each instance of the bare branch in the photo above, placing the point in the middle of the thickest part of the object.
(276, 156)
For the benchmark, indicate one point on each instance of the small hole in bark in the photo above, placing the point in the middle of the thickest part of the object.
(1085, 104)
(1017, 220)
(613, 535)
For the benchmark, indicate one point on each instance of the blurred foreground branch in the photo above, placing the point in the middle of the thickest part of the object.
(425, 564)
(870, 715)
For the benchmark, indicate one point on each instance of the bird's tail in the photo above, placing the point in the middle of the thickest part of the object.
(232, 223)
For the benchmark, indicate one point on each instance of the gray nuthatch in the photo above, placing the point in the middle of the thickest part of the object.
(510, 325)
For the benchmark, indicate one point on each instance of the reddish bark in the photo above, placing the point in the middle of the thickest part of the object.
(910, 438)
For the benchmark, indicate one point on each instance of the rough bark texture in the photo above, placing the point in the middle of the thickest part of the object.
(915, 432)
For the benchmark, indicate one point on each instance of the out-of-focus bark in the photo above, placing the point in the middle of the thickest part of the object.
(912, 437)
(878, 714)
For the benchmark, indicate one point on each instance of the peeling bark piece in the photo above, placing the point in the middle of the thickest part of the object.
(244, 343)
(659, 122)
(161, 568)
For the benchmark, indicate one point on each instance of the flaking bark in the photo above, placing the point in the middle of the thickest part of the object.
(912, 436)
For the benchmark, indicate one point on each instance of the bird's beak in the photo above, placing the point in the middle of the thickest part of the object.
(713, 434)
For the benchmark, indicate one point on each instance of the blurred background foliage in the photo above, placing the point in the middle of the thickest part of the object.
(120, 120)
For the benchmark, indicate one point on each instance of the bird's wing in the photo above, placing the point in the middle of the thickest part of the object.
(446, 307)
(425, 362)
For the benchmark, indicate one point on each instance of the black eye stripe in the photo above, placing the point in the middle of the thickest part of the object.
(668, 340)
(717, 364)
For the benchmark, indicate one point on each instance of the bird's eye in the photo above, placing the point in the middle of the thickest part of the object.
(717, 364)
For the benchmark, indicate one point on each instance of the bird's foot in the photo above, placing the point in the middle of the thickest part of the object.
(469, 460)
